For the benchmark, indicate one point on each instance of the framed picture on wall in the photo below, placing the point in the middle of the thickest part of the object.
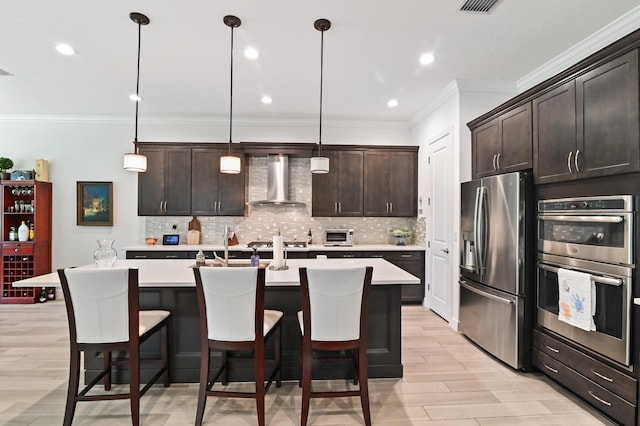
(95, 203)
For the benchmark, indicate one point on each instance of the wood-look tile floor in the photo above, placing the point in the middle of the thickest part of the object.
(447, 381)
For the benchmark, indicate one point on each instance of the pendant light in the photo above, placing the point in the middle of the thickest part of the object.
(320, 164)
(135, 162)
(229, 163)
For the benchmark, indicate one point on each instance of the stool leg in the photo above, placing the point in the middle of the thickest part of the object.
(306, 383)
(72, 392)
(258, 362)
(364, 384)
(134, 384)
(277, 350)
(204, 379)
(106, 362)
(164, 348)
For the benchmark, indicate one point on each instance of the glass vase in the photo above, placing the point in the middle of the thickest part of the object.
(105, 255)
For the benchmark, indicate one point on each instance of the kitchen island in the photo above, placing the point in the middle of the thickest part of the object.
(170, 284)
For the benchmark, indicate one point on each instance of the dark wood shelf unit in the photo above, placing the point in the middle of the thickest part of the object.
(24, 259)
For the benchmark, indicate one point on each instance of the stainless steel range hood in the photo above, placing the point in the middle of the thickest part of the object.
(277, 183)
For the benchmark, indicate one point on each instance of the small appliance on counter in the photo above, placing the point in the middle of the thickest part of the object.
(400, 237)
(338, 237)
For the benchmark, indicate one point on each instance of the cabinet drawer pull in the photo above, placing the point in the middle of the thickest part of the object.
(169, 256)
(377, 255)
(575, 161)
(569, 161)
(390, 207)
(494, 161)
(607, 403)
(553, 370)
(552, 349)
(603, 377)
(498, 161)
(140, 256)
(406, 255)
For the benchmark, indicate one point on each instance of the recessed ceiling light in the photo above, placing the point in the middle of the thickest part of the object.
(65, 49)
(266, 99)
(135, 98)
(251, 53)
(427, 58)
(392, 103)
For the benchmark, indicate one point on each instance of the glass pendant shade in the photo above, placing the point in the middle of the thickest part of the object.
(319, 165)
(135, 163)
(230, 164)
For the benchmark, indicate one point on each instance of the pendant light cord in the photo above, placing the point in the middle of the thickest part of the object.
(231, 95)
(321, 72)
(135, 139)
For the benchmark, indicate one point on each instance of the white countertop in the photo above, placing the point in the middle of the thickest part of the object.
(243, 247)
(178, 272)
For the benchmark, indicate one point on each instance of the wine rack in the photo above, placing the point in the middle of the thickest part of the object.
(17, 264)
(25, 201)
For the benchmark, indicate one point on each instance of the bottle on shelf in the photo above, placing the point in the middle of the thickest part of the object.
(309, 237)
(13, 235)
(32, 232)
(23, 232)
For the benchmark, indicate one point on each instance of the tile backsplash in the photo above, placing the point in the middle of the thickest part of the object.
(263, 222)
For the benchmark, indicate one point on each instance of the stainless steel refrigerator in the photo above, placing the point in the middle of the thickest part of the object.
(496, 272)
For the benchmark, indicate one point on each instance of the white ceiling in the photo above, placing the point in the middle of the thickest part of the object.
(371, 54)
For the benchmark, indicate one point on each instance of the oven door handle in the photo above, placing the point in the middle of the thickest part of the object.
(595, 278)
(600, 219)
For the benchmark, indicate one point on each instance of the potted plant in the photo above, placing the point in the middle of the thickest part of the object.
(5, 165)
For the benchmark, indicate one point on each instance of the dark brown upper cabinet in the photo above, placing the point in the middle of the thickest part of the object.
(184, 180)
(165, 188)
(589, 126)
(390, 183)
(214, 193)
(339, 192)
(503, 144)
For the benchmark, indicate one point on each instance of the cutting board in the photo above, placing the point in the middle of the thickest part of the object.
(194, 224)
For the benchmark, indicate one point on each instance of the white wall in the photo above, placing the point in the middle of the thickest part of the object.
(460, 103)
(91, 149)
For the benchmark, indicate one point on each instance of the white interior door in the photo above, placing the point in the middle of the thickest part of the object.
(439, 223)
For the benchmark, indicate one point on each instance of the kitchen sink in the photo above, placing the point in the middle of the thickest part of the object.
(235, 263)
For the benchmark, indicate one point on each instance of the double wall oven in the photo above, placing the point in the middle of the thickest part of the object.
(593, 235)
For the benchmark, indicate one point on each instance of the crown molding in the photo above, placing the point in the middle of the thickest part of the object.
(612, 32)
(202, 121)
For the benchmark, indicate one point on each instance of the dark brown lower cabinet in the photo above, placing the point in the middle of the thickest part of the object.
(411, 261)
(384, 337)
(609, 390)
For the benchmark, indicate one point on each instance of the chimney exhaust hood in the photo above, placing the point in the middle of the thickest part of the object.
(278, 183)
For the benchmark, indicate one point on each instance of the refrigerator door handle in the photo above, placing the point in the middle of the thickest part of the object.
(476, 233)
(480, 224)
(487, 295)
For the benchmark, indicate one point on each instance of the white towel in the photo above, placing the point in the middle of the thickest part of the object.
(577, 299)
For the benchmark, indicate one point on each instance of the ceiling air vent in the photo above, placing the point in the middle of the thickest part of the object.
(478, 6)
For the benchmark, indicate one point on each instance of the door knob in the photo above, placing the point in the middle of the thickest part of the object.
(445, 250)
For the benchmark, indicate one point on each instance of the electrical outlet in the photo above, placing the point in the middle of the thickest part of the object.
(175, 227)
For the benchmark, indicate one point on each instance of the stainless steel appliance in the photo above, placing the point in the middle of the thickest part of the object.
(338, 237)
(496, 256)
(589, 228)
(593, 235)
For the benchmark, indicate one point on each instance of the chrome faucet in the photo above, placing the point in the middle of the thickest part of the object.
(224, 261)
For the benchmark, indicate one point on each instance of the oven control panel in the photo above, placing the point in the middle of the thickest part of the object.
(622, 203)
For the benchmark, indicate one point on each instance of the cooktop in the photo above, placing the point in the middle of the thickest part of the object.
(269, 244)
